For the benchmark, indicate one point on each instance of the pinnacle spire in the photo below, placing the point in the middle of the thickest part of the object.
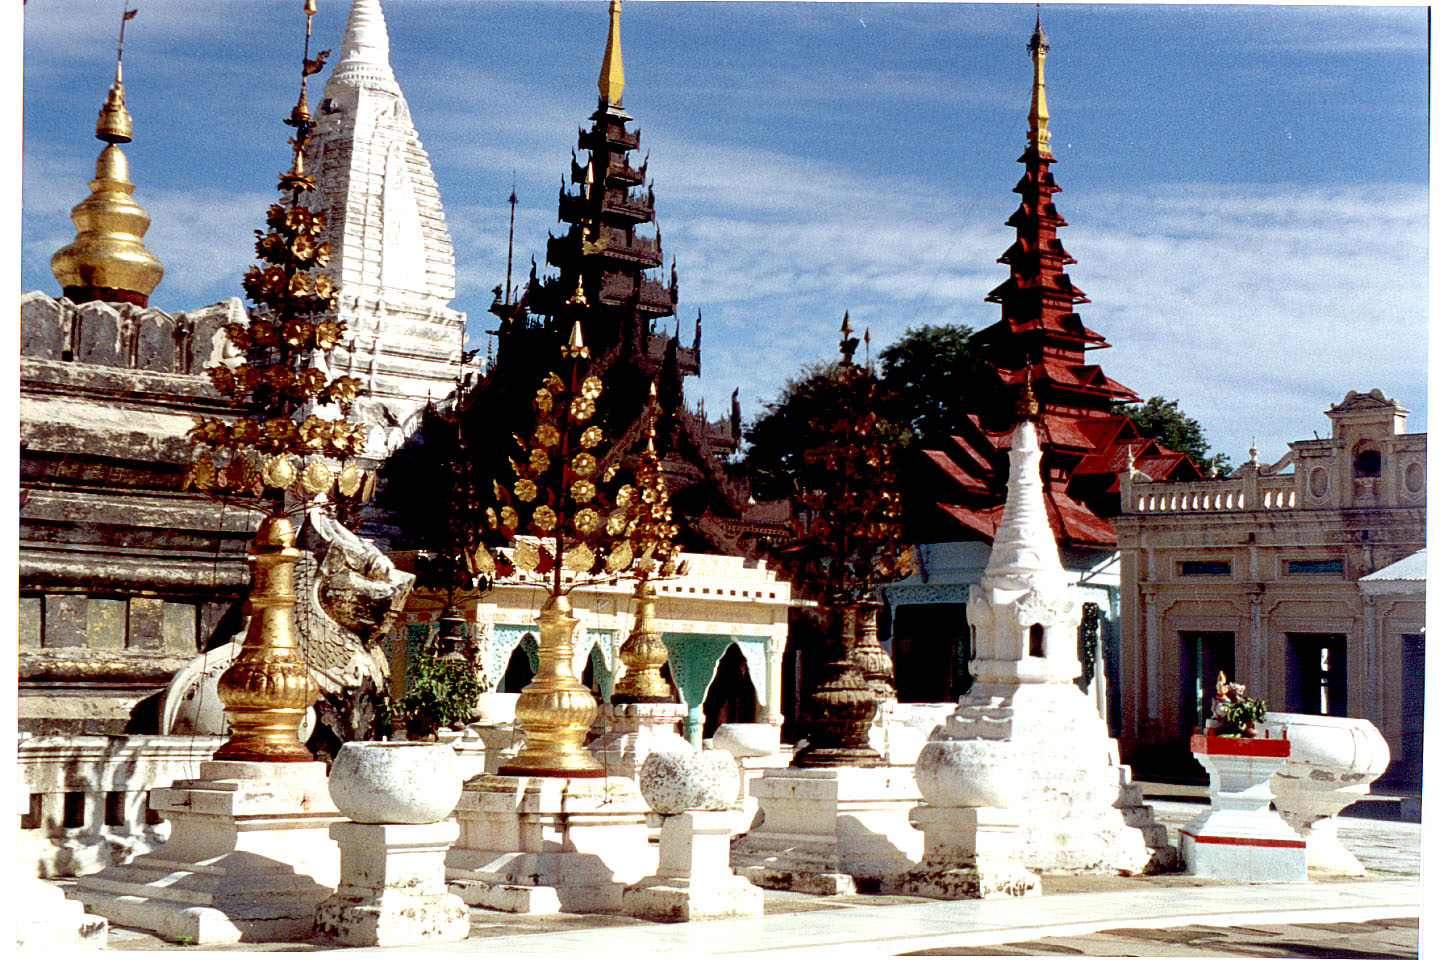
(1039, 136)
(365, 49)
(113, 124)
(612, 68)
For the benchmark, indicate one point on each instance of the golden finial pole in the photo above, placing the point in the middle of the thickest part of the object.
(1039, 111)
(612, 68)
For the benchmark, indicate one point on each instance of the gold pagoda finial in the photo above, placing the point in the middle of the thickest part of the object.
(1038, 46)
(612, 68)
(108, 260)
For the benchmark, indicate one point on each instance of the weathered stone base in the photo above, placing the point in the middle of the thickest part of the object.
(44, 919)
(693, 880)
(969, 855)
(683, 899)
(248, 858)
(981, 879)
(830, 831)
(546, 844)
(392, 886)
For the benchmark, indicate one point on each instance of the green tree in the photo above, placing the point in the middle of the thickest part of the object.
(1164, 422)
(935, 371)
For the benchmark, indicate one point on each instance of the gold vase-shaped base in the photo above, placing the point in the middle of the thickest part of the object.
(555, 710)
(643, 654)
(268, 688)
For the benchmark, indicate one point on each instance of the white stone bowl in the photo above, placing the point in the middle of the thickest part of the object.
(676, 780)
(748, 739)
(395, 782)
(967, 773)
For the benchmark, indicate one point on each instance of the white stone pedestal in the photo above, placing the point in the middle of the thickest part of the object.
(248, 859)
(631, 731)
(830, 830)
(45, 920)
(969, 855)
(693, 880)
(392, 886)
(1239, 837)
(546, 844)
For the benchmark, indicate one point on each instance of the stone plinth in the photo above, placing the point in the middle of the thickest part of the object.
(693, 880)
(969, 855)
(546, 844)
(248, 859)
(392, 886)
(630, 731)
(1332, 762)
(1239, 837)
(830, 830)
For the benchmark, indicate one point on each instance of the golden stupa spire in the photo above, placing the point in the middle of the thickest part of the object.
(108, 260)
(612, 68)
(1038, 46)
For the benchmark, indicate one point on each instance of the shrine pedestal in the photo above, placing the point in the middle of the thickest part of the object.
(693, 880)
(248, 859)
(392, 886)
(969, 855)
(548, 844)
(830, 830)
(1239, 837)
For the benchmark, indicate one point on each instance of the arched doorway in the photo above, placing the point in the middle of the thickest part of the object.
(731, 695)
(520, 669)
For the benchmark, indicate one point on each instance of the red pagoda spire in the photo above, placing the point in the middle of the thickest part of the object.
(1039, 345)
(1038, 324)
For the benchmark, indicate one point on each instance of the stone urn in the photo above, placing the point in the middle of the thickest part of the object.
(678, 779)
(967, 773)
(1332, 762)
(395, 781)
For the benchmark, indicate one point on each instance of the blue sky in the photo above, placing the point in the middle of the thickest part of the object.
(1247, 187)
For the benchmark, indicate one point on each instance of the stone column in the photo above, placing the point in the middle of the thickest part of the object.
(693, 880)
(392, 886)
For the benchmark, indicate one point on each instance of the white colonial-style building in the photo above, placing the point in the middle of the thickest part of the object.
(1267, 575)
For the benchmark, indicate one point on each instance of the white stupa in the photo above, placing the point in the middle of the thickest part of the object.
(1076, 809)
(391, 256)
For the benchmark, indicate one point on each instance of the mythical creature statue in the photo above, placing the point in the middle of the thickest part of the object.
(348, 595)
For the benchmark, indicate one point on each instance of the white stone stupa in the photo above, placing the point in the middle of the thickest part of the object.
(391, 255)
(1076, 809)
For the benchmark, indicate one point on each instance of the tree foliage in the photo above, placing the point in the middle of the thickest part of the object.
(936, 372)
(1164, 422)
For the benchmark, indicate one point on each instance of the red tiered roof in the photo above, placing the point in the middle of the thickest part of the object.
(1040, 337)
